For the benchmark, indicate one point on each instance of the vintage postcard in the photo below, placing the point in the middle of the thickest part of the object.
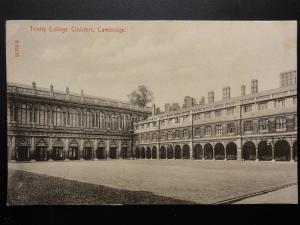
(151, 112)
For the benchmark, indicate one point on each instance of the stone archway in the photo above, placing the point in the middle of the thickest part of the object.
(249, 151)
(208, 151)
(170, 153)
(23, 150)
(113, 152)
(137, 153)
(162, 152)
(198, 152)
(143, 153)
(148, 153)
(231, 151)
(264, 151)
(186, 152)
(87, 150)
(282, 151)
(73, 152)
(58, 150)
(295, 151)
(177, 151)
(41, 150)
(154, 152)
(219, 151)
(124, 152)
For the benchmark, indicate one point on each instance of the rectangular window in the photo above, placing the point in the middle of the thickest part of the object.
(148, 136)
(207, 131)
(169, 135)
(148, 125)
(185, 133)
(170, 121)
(177, 120)
(230, 128)
(184, 118)
(219, 129)
(154, 137)
(153, 124)
(218, 113)
(280, 124)
(162, 122)
(247, 108)
(248, 126)
(280, 103)
(197, 131)
(177, 134)
(163, 136)
(142, 126)
(230, 111)
(142, 137)
(262, 106)
(207, 115)
(263, 125)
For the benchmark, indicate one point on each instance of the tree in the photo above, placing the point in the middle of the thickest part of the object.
(141, 97)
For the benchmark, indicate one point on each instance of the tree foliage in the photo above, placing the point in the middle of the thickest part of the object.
(141, 97)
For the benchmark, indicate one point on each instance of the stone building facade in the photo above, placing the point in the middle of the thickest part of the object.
(44, 124)
(255, 126)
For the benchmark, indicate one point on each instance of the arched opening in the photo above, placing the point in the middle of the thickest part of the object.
(58, 150)
(248, 151)
(208, 151)
(73, 152)
(148, 153)
(124, 152)
(282, 151)
(154, 152)
(264, 151)
(113, 152)
(186, 152)
(170, 154)
(198, 152)
(295, 151)
(231, 151)
(162, 152)
(219, 151)
(88, 150)
(23, 150)
(177, 151)
(41, 153)
(137, 153)
(143, 153)
(100, 153)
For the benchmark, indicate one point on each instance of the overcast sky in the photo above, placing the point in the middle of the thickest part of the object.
(172, 58)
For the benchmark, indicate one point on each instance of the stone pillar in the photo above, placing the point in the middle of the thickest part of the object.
(80, 153)
(107, 149)
(51, 117)
(33, 118)
(66, 149)
(50, 150)
(157, 152)
(225, 152)
(119, 149)
(94, 150)
(32, 147)
(273, 157)
(191, 152)
(12, 149)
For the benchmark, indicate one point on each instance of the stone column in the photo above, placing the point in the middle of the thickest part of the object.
(51, 117)
(225, 152)
(273, 158)
(80, 153)
(191, 152)
(157, 151)
(12, 148)
(119, 149)
(94, 150)
(32, 148)
(66, 149)
(107, 149)
(14, 113)
(33, 118)
(50, 150)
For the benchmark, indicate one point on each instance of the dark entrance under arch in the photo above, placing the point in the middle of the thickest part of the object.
(198, 151)
(154, 152)
(248, 151)
(177, 151)
(100, 153)
(40, 153)
(143, 153)
(170, 154)
(295, 151)
(58, 153)
(208, 151)
(219, 151)
(282, 151)
(148, 153)
(231, 151)
(23, 153)
(113, 152)
(124, 152)
(73, 153)
(186, 152)
(162, 152)
(137, 153)
(264, 151)
(87, 152)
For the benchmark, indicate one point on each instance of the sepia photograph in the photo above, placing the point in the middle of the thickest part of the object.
(151, 112)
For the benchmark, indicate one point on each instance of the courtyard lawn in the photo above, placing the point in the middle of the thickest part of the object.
(195, 181)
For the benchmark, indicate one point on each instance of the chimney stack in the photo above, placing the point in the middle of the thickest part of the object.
(153, 109)
(243, 90)
(33, 88)
(51, 90)
(81, 95)
(254, 86)
(226, 93)
(67, 93)
(211, 97)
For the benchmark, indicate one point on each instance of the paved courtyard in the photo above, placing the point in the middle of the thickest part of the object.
(198, 181)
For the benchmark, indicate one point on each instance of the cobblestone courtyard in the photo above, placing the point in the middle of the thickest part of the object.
(196, 181)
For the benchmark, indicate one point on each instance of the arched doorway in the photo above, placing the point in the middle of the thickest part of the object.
(137, 153)
(124, 152)
(282, 151)
(58, 150)
(219, 151)
(231, 151)
(295, 151)
(148, 153)
(198, 151)
(143, 153)
(87, 150)
(170, 154)
(248, 151)
(23, 150)
(186, 152)
(73, 152)
(154, 152)
(100, 153)
(208, 151)
(41, 153)
(264, 151)
(177, 151)
(113, 152)
(162, 152)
